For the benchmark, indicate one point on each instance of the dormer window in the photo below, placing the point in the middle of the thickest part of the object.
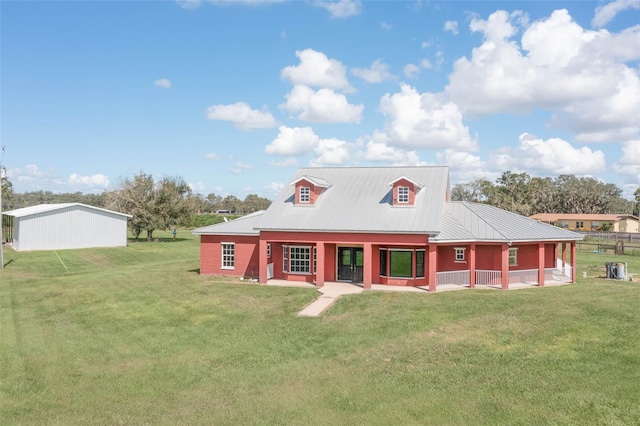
(305, 194)
(404, 191)
(403, 194)
(308, 189)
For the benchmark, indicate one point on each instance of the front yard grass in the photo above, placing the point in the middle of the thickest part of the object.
(134, 335)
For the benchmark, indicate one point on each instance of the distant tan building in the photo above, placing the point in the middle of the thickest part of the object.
(620, 222)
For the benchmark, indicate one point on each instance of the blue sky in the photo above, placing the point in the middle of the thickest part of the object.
(234, 96)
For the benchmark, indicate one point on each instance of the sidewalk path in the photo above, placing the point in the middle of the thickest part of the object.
(330, 293)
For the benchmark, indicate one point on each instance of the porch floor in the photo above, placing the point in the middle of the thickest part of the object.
(332, 291)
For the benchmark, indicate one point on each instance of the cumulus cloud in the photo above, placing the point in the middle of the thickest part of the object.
(331, 152)
(412, 70)
(240, 167)
(377, 73)
(274, 187)
(321, 106)
(451, 26)
(287, 162)
(424, 121)
(340, 8)
(629, 163)
(242, 116)
(317, 70)
(293, 141)
(553, 156)
(89, 182)
(212, 156)
(377, 150)
(464, 166)
(32, 178)
(583, 79)
(163, 82)
(386, 26)
(605, 13)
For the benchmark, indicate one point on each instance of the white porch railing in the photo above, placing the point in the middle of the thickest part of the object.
(488, 277)
(558, 274)
(453, 277)
(524, 276)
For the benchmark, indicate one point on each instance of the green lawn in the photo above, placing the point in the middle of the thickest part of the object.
(135, 336)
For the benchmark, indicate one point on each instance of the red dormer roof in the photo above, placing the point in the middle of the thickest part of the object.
(404, 191)
(308, 190)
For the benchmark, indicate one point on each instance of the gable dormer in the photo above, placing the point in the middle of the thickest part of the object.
(404, 191)
(308, 190)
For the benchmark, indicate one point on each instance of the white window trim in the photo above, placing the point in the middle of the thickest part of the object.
(464, 256)
(268, 250)
(306, 192)
(401, 197)
(310, 261)
(424, 263)
(513, 253)
(222, 256)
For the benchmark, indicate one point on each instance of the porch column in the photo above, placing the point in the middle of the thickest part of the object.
(320, 264)
(541, 264)
(573, 262)
(505, 266)
(564, 255)
(472, 265)
(262, 261)
(367, 272)
(433, 264)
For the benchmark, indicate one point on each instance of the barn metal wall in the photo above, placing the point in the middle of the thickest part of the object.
(69, 228)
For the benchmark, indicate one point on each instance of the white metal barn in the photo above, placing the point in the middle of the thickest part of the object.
(66, 226)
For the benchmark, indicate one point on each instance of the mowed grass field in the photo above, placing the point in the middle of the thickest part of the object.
(135, 336)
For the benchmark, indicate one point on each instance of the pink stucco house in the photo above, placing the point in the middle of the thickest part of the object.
(386, 225)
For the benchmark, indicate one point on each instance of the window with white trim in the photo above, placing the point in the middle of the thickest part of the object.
(513, 257)
(305, 194)
(460, 254)
(300, 259)
(315, 259)
(285, 258)
(228, 255)
(269, 250)
(403, 194)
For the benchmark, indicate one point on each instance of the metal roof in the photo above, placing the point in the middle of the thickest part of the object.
(245, 225)
(554, 217)
(464, 221)
(42, 208)
(359, 199)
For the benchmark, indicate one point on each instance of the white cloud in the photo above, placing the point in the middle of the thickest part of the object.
(242, 116)
(240, 167)
(629, 163)
(425, 44)
(411, 70)
(553, 156)
(293, 141)
(196, 187)
(583, 79)
(287, 162)
(451, 26)
(464, 166)
(189, 4)
(321, 106)
(424, 121)
(163, 82)
(331, 152)
(378, 151)
(212, 156)
(378, 72)
(340, 8)
(386, 26)
(317, 70)
(283, 35)
(605, 13)
(274, 187)
(93, 182)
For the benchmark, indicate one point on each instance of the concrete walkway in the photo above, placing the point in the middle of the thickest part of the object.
(331, 292)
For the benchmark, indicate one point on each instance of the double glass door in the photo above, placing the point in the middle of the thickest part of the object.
(350, 264)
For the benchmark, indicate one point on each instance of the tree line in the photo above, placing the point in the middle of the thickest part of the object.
(169, 202)
(526, 195)
(160, 204)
